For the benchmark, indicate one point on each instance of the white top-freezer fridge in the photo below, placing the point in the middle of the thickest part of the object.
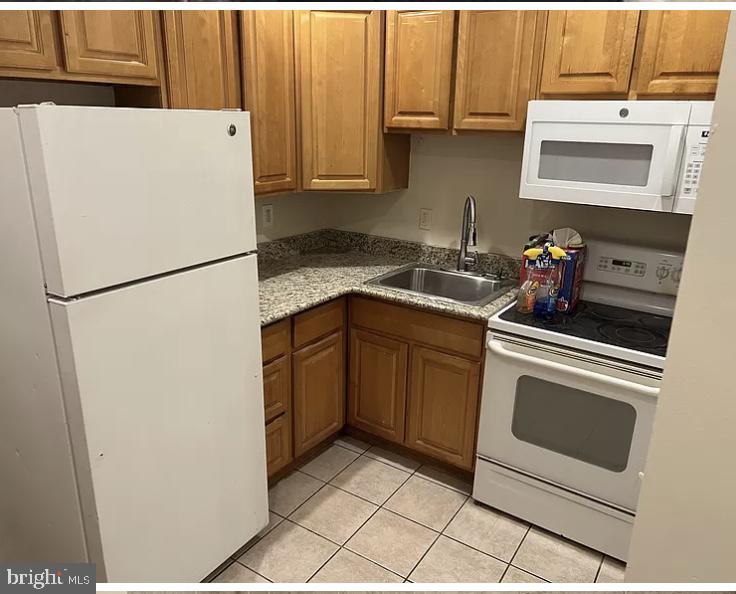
(131, 417)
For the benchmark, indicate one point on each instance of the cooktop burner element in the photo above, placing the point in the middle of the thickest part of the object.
(612, 325)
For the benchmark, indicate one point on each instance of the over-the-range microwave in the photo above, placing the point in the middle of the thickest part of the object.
(644, 155)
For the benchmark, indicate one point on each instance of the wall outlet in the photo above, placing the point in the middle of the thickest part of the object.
(267, 215)
(425, 218)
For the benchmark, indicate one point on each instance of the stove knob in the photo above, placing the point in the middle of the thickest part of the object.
(663, 272)
(676, 275)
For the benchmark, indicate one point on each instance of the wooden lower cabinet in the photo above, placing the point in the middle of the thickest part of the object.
(443, 405)
(377, 390)
(278, 444)
(319, 391)
(277, 387)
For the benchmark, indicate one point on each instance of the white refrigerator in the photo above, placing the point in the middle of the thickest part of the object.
(131, 403)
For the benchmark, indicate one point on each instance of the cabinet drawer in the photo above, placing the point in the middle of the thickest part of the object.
(278, 444)
(445, 333)
(319, 321)
(276, 387)
(275, 340)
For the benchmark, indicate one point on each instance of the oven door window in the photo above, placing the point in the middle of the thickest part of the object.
(609, 163)
(575, 423)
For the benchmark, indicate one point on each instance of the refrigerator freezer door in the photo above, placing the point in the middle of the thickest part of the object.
(162, 385)
(124, 194)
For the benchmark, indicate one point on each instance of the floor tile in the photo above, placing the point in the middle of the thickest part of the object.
(426, 502)
(556, 559)
(351, 443)
(392, 541)
(370, 479)
(612, 571)
(347, 567)
(334, 514)
(436, 475)
(450, 561)
(393, 459)
(289, 553)
(237, 573)
(487, 530)
(290, 492)
(514, 575)
(329, 463)
(273, 521)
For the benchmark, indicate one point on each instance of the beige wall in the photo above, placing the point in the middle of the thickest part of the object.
(444, 169)
(686, 526)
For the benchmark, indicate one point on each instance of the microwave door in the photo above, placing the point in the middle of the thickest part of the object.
(626, 166)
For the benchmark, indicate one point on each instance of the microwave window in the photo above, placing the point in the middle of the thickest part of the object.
(575, 423)
(596, 162)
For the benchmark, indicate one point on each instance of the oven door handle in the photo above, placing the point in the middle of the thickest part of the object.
(615, 382)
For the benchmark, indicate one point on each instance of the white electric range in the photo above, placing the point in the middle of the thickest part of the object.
(568, 404)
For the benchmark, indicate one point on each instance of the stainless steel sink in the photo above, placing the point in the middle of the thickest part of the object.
(432, 281)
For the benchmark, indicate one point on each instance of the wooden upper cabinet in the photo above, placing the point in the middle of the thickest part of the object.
(202, 59)
(27, 40)
(110, 43)
(268, 71)
(419, 46)
(377, 386)
(443, 405)
(588, 52)
(680, 52)
(495, 68)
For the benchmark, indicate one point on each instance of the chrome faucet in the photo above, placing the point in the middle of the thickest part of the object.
(467, 237)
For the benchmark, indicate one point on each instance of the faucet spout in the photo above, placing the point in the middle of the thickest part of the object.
(468, 236)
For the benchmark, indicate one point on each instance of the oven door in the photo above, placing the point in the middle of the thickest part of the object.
(580, 422)
(589, 154)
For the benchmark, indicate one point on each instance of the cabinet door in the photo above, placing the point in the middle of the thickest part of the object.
(276, 387)
(443, 403)
(419, 47)
(27, 40)
(495, 68)
(339, 82)
(112, 43)
(278, 444)
(377, 399)
(202, 59)
(268, 72)
(589, 52)
(680, 52)
(319, 391)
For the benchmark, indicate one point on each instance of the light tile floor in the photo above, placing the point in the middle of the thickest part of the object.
(360, 513)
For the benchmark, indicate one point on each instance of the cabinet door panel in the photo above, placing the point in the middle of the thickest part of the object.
(443, 403)
(319, 391)
(268, 72)
(339, 71)
(110, 42)
(680, 52)
(492, 93)
(589, 52)
(202, 59)
(276, 387)
(419, 47)
(27, 40)
(278, 444)
(377, 399)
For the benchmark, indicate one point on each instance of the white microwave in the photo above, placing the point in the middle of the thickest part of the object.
(644, 155)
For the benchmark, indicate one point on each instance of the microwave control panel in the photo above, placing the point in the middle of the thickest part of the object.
(695, 144)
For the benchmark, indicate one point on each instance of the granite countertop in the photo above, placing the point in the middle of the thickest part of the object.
(297, 282)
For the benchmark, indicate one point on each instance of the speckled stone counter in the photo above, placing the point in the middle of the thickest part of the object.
(298, 273)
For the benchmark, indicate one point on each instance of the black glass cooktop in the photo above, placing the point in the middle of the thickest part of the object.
(617, 326)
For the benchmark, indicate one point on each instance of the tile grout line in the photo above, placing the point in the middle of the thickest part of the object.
(600, 566)
(528, 528)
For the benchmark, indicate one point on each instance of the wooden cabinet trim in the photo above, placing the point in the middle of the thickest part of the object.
(276, 339)
(377, 395)
(278, 444)
(418, 99)
(269, 90)
(277, 387)
(318, 321)
(33, 48)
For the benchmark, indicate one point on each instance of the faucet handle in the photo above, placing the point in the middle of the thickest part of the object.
(471, 259)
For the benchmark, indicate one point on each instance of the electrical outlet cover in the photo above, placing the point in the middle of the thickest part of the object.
(267, 215)
(425, 218)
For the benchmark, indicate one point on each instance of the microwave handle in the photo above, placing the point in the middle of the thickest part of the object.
(672, 161)
(615, 382)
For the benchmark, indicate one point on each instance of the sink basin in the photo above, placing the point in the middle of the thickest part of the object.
(445, 284)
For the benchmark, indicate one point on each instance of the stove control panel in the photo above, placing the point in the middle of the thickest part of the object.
(639, 268)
